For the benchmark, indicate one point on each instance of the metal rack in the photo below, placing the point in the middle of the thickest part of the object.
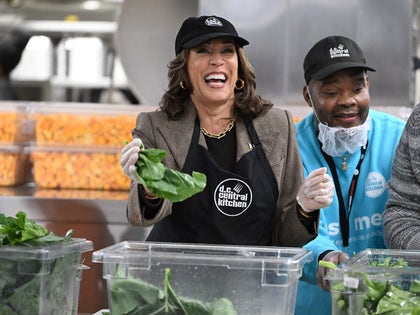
(59, 20)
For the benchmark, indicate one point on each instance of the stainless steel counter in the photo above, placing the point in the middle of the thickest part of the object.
(98, 216)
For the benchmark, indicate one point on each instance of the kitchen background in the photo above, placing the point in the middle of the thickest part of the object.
(114, 53)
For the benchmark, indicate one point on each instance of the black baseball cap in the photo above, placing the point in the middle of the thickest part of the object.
(331, 54)
(197, 30)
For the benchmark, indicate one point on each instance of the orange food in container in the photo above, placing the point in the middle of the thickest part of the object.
(14, 165)
(78, 145)
(84, 125)
(78, 167)
(12, 123)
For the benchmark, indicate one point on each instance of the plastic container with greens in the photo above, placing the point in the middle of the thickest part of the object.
(146, 278)
(40, 273)
(377, 281)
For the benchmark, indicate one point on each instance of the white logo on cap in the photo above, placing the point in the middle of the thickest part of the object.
(339, 52)
(212, 21)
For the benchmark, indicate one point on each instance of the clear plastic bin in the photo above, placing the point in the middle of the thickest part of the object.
(84, 124)
(245, 280)
(42, 280)
(15, 165)
(71, 167)
(369, 284)
(13, 120)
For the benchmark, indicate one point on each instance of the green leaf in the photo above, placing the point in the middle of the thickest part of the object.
(177, 186)
(399, 302)
(136, 297)
(19, 230)
(165, 182)
(223, 306)
(327, 264)
(128, 294)
(382, 297)
(150, 166)
(154, 155)
(415, 286)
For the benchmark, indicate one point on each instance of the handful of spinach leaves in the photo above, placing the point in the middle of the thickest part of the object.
(380, 297)
(165, 182)
(136, 297)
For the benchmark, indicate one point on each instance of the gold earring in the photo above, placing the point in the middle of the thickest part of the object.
(181, 84)
(241, 86)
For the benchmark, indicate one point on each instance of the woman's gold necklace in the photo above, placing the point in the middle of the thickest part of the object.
(344, 163)
(219, 135)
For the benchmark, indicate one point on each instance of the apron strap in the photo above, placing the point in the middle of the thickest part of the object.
(260, 153)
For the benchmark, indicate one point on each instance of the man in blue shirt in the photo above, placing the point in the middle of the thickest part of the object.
(357, 146)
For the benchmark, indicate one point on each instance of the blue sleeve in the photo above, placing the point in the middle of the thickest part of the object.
(317, 246)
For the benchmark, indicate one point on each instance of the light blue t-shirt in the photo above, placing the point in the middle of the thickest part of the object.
(365, 218)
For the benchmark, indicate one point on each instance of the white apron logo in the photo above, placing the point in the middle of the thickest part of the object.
(375, 185)
(232, 197)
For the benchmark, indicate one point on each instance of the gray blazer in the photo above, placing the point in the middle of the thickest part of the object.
(277, 133)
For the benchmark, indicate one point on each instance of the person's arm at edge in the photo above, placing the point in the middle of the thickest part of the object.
(401, 218)
(143, 211)
(289, 229)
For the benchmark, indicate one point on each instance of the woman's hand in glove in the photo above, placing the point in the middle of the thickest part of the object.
(334, 257)
(317, 191)
(129, 157)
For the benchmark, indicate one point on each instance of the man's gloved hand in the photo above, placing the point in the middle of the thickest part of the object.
(334, 257)
(317, 191)
(129, 157)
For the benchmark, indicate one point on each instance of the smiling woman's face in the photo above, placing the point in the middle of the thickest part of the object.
(342, 99)
(213, 71)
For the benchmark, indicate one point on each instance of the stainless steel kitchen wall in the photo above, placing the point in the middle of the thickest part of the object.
(281, 32)
(145, 42)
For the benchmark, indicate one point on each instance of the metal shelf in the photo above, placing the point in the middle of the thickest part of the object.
(73, 27)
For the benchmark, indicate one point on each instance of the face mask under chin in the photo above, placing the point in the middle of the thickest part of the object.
(338, 140)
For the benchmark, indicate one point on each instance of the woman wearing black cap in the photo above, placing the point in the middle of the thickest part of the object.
(211, 121)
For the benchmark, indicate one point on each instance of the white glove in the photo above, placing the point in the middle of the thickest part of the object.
(317, 191)
(129, 157)
(336, 258)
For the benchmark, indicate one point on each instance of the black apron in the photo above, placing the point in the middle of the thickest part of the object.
(235, 208)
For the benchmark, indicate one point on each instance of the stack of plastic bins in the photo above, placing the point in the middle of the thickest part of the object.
(13, 159)
(78, 145)
(377, 281)
(143, 277)
(42, 280)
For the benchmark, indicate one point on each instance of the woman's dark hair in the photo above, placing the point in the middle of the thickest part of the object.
(247, 103)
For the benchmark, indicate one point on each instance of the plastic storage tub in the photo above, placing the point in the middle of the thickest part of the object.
(41, 280)
(71, 167)
(15, 165)
(79, 125)
(238, 279)
(369, 283)
(13, 118)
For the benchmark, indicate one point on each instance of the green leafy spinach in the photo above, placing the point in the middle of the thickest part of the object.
(380, 297)
(136, 297)
(30, 286)
(165, 182)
